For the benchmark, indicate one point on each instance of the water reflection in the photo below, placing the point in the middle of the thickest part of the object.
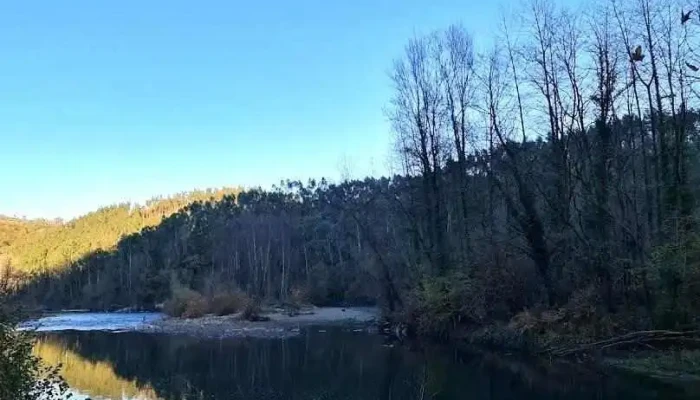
(316, 365)
(90, 378)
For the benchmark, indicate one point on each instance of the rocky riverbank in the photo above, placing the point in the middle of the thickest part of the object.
(277, 323)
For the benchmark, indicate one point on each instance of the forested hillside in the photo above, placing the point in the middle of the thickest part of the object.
(556, 172)
(40, 245)
(17, 229)
(268, 243)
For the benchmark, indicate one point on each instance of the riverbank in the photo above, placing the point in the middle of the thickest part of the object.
(276, 324)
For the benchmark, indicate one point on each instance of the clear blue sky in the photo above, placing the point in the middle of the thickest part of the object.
(107, 101)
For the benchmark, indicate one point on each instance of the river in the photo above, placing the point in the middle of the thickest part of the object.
(103, 358)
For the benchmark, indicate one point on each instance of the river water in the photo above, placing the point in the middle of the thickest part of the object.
(318, 364)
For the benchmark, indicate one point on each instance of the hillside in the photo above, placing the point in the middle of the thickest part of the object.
(16, 229)
(40, 245)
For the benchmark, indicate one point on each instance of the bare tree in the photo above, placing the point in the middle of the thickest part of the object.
(524, 210)
(418, 116)
(456, 62)
(606, 76)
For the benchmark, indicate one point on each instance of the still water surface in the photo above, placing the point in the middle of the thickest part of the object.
(319, 364)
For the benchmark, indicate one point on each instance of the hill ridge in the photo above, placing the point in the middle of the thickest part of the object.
(40, 244)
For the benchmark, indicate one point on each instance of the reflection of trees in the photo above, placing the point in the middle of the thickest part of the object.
(491, 375)
(96, 378)
(335, 365)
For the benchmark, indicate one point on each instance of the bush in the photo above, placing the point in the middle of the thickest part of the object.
(675, 281)
(185, 303)
(300, 295)
(440, 304)
(188, 303)
(252, 311)
(228, 303)
(22, 375)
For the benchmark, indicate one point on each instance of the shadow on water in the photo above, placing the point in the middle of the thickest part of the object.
(335, 364)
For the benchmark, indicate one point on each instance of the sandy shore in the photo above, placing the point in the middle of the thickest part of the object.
(279, 325)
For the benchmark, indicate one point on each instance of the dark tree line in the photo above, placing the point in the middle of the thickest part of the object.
(558, 170)
(270, 244)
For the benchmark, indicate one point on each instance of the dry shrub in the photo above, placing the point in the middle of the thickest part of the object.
(581, 319)
(252, 311)
(300, 295)
(196, 307)
(586, 315)
(228, 303)
(185, 303)
(584, 305)
(534, 329)
(524, 322)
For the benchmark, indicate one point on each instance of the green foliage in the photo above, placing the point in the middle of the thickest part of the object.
(443, 303)
(22, 374)
(675, 280)
(13, 230)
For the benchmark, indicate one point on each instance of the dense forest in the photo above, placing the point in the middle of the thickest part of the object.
(548, 181)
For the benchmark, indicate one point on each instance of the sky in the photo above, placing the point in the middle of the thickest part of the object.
(110, 101)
